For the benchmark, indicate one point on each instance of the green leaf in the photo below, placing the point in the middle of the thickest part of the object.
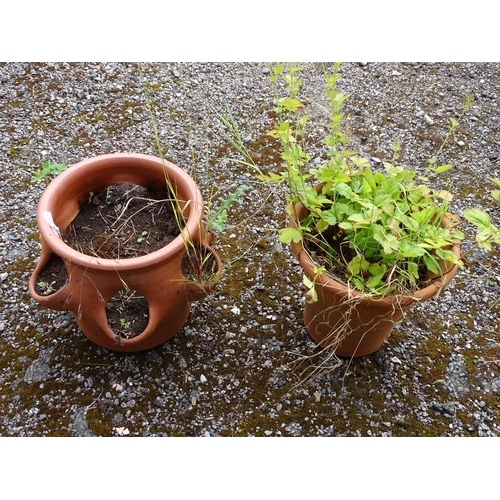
(270, 177)
(432, 264)
(360, 162)
(278, 69)
(322, 225)
(357, 264)
(347, 226)
(442, 168)
(377, 272)
(311, 295)
(413, 270)
(344, 190)
(388, 241)
(447, 255)
(290, 104)
(409, 249)
(289, 234)
(374, 281)
(496, 194)
(480, 219)
(329, 216)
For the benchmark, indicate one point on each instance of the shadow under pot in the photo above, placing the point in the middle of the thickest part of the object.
(126, 282)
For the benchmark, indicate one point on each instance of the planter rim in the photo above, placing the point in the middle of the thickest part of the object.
(420, 295)
(120, 166)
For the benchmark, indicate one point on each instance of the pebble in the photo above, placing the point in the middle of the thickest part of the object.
(428, 120)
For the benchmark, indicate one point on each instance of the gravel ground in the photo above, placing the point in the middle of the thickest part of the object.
(237, 366)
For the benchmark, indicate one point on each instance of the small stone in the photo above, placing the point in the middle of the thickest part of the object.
(268, 433)
(118, 418)
(396, 360)
(235, 310)
(428, 120)
(3, 276)
(461, 143)
(203, 379)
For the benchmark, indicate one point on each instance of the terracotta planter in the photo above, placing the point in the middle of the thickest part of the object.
(342, 320)
(93, 281)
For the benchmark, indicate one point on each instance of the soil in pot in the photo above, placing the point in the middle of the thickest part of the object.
(127, 313)
(124, 221)
(52, 276)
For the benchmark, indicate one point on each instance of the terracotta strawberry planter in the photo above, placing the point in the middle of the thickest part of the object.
(92, 282)
(345, 322)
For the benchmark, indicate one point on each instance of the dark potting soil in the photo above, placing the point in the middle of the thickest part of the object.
(52, 276)
(127, 314)
(124, 221)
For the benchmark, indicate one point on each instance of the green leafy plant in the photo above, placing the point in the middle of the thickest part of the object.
(124, 323)
(47, 288)
(381, 231)
(142, 236)
(49, 169)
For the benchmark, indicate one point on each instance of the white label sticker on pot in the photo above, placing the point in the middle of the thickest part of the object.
(50, 221)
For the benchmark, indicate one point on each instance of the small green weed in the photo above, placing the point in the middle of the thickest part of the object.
(49, 169)
(142, 236)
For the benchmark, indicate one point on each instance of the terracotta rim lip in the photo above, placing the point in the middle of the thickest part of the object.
(331, 283)
(177, 176)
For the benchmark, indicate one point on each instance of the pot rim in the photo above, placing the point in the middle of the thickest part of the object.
(119, 167)
(326, 280)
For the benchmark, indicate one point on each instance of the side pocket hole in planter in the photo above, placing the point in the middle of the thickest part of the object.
(199, 265)
(52, 277)
(127, 313)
